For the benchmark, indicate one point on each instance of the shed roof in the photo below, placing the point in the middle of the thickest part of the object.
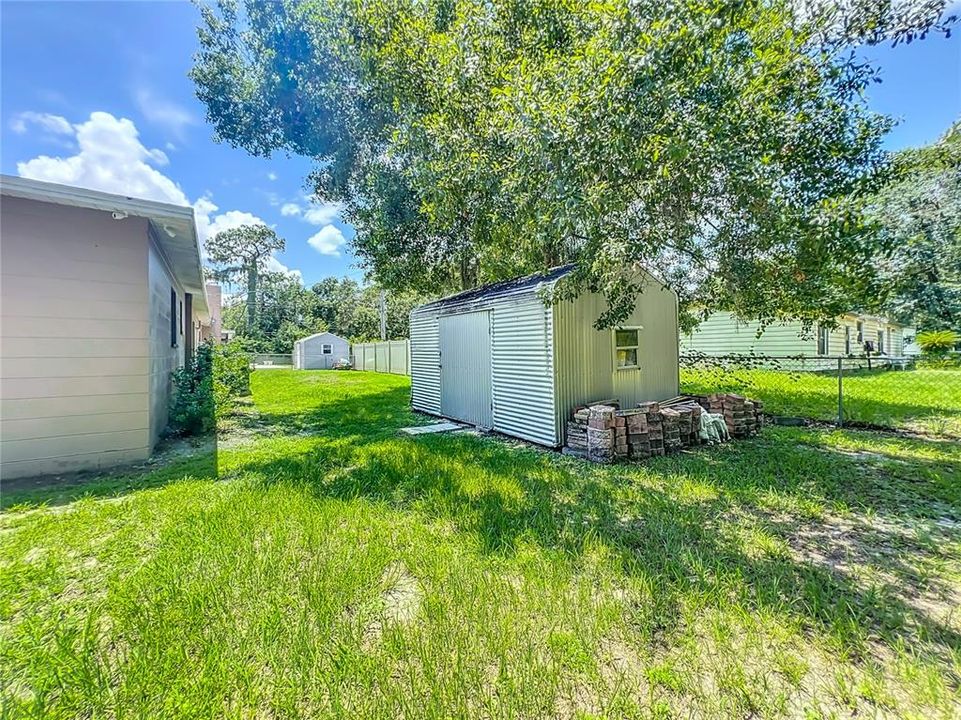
(321, 334)
(514, 286)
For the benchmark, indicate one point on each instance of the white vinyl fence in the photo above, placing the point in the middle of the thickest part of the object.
(389, 356)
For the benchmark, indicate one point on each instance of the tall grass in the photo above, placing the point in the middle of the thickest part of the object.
(334, 568)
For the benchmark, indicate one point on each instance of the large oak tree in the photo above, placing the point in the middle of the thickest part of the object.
(725, 145)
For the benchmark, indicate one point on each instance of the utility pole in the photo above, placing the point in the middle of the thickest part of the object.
(383, 314)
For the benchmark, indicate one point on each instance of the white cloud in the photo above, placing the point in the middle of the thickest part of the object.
(327, 241)
(274, 265)
(271, 176)
(288, 209)
(322, 214)
(55, 124)
(111, 158)
(164, 113)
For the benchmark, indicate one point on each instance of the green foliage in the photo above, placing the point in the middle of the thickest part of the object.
(231, 374)
(287, 311)
(192, 407)
(938, 341)
(726, 146)
(921, 211)
(206, 386)
(239, 256)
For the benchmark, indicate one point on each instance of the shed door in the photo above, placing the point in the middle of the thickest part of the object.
(465, 367)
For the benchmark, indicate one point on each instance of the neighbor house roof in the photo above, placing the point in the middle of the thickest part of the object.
(514, 286)
(173, 226)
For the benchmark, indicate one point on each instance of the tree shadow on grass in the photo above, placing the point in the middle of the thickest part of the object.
(508, 496)
(173, 460)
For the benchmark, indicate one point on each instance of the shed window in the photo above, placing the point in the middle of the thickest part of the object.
(625, 347)
(173, 318)
(880, 342)
(847, 339)
(860, 333)
(327, 348)
(824, 339)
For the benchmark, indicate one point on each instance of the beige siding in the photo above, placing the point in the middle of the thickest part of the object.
(585, 356)
(724, 334)
(73, 387)
(164, 357)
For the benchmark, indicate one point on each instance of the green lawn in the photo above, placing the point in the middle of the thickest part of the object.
(926, 401)
(335, 568)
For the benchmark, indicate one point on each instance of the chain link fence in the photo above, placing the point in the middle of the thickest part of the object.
(272, 360)
(862, 391)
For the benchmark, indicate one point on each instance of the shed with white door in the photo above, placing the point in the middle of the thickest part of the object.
(320, 351)
(504, 357)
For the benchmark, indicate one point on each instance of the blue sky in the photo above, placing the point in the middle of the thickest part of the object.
(97, 94)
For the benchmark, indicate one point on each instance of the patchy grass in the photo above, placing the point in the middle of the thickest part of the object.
(335, 568)
(925, 401)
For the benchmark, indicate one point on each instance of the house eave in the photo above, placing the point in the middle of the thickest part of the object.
(174, 226)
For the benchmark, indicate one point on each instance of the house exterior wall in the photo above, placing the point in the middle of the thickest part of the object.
(164, 356)
(723, 334)
(73, 339)
(585, 356)
(214, 329)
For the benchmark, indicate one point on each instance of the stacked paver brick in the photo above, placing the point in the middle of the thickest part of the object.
(742, 416)
(603, 433)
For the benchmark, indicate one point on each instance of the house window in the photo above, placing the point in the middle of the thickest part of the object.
(173, 318)
(181, 317)
(880, 342)
(326, 349)
(860, 334)
(824, 339)
(847, 339)
(625, 347)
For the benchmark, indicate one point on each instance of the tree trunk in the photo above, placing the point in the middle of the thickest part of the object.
(251, 296)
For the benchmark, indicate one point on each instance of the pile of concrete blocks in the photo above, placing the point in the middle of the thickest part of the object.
(744, 417)
(577, 431)
(603, 433)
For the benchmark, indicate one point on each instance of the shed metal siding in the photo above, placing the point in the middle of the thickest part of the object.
(522, 369)
(522, 364)
(424, 363)
(465, 367)
(585, 356)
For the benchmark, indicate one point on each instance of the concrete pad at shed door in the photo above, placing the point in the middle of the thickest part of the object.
(434, 428)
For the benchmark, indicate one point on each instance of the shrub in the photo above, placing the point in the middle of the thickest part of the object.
(937, 342)
(231, 374)
(936, 348)
(192, 409)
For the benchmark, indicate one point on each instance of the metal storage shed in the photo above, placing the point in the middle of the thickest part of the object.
(320, 351)
(500, 356)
